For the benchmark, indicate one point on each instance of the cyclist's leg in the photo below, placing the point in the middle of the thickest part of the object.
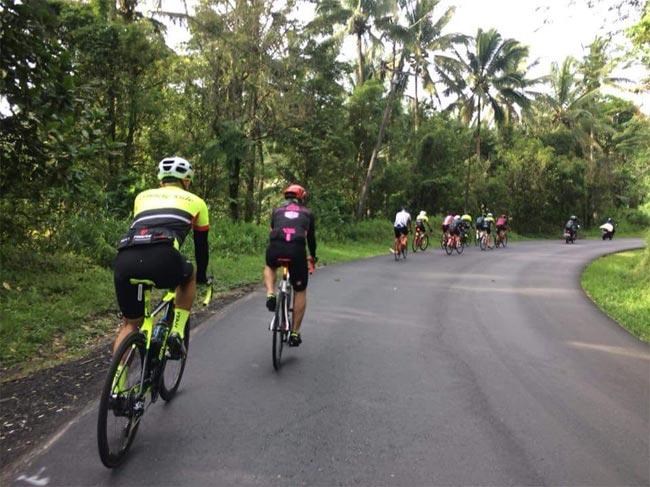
(270, 275)
(298, 271)
(126, 293)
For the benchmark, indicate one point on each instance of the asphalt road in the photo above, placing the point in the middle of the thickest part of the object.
(486, 368)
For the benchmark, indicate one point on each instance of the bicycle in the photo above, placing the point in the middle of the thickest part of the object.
(486, 240)
(443, 239)
(141, 366)
(420, 241)
(501, 238)
(452, 243)
(281, 324)
(400, 247)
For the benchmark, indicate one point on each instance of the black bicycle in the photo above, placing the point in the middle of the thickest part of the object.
(142, 369)
(281, 324)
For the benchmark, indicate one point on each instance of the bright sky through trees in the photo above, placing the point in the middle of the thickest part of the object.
(553, 29)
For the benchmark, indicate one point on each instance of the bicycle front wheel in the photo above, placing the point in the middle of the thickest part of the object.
(449, 247)
(121, 403)
(172, 370)
(424, 243)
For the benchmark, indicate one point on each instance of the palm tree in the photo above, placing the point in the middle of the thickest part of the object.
(489, 80)
(423, 36)
(358, 17)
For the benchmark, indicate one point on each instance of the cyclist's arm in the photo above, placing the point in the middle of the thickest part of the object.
(201, 252)
(311, 236)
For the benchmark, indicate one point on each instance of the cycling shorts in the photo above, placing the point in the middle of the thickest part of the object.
(160, 263)
(420, 226)
(298, 272)
(399, 231)
(445, 228)
(501, 227)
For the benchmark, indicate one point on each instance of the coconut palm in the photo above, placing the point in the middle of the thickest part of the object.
(489, 81)
(358, 17)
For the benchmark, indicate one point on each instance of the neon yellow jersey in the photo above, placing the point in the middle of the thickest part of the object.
(422, 218)
(489, 220)
(173, 208)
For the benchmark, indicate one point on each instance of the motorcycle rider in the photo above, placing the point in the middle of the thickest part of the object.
(572, 226)
(608, 228)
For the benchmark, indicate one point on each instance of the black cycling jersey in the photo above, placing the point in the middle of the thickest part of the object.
(294, 223)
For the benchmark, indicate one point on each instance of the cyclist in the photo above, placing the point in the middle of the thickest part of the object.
(466, 220)
(292, 225)
(162, 218)
(502, 224)
(456, 226)
(421, 221)
(447, 221)
(480, 221)
(402, 224)
(488, 223)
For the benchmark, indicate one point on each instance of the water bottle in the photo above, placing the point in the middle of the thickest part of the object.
(158, 334)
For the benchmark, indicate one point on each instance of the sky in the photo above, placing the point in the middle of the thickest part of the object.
(553, 29)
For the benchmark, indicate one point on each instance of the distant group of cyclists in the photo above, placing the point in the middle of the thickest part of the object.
(452, 224)
(164, 216)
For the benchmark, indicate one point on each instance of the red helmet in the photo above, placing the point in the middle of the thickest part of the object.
(295, 191)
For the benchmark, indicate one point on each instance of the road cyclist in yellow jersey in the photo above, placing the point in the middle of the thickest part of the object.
(421, 238)
(163, 217)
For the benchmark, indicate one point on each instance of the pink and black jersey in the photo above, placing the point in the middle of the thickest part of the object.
(293, 223)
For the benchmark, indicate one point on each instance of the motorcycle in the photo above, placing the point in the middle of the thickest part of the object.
(570, 236)
(607, 230)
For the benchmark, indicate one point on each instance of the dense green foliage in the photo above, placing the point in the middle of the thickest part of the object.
(93, 98)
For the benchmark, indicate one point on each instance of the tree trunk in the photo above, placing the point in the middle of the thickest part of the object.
(233, 187)
(478, 157)
(375, 152)
(416, 104)
(260, 155)
(360, 79)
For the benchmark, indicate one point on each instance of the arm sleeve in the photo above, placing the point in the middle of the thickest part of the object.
(311, 236)
(202, 255)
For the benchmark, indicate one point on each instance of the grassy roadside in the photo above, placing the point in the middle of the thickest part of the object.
(57, 307)
(620, 287)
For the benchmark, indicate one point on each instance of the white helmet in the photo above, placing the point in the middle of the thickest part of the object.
(489, 215)
(422, 212)
(175, 167)
(457, 217)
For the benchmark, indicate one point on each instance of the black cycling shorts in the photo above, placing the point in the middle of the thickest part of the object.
(420, 226)
(298, 271)
(160, 263)
(399, 231)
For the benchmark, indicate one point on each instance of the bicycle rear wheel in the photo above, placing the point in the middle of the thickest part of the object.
(415, 243)
(172, 370)
(424, 243)
(405, 250)
(121, 403)
(396, 250)
(483, 242)
(280, 330)
(504, 240)
(460, 246)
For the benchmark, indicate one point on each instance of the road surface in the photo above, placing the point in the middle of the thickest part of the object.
(486, 368)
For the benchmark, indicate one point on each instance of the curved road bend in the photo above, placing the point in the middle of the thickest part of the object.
(488, 368)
